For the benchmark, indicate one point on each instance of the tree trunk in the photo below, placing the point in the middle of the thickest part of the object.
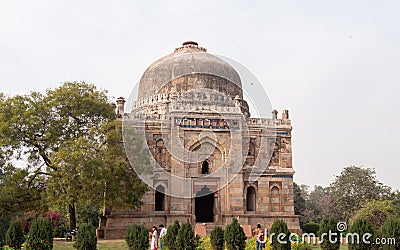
(72, 216)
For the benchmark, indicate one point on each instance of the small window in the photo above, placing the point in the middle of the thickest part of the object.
(205, 168)
(251, 199)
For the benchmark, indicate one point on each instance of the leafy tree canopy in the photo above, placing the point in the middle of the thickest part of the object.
(73, 148)
(375, 212)
(352, 187)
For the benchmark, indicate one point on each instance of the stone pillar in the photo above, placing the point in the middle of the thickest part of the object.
(217, 209)
(120, 107)
(274, 114)
(192, 205)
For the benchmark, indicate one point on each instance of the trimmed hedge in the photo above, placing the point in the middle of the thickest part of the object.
(329, 224)
(40, 236)
(361, 227)
(170, 237)
(391, 230)
(277, 242)
(137, 237)
(234, 236)
(311, 228)
(15, 235)
(217, 238)
(86, 237)
(185, 237)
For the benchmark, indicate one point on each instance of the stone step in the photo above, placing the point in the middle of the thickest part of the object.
(207, 227)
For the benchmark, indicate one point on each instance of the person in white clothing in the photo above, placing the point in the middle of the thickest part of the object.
(154, 237)
(163, 232)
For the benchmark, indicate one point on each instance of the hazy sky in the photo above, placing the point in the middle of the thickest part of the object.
(334, 64)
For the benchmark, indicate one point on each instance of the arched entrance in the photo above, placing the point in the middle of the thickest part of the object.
(160, 198)
(204, 205)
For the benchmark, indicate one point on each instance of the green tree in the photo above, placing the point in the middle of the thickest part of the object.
(375, 212)
(40, 236)
(170, 237)
(37, 125)
(16, 194)
(311, 227)
(15, 235)
(96, 171)
(74, 148)
(185, 237)
(118, 178)
(88, 213)
(234, 236)
(299, 200)
(137, 237)
(86, 237)
(361, 227)
(353, 186)
(329, 227)
(391, 230)
(217, 238)
(279, 227)
(318, 205)
(4, 225)
(396, 201)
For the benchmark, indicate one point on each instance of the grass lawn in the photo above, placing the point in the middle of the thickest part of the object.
(121, 244)
(341, 247)
(101, 245)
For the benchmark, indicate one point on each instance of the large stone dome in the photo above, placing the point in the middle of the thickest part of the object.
(188, 67)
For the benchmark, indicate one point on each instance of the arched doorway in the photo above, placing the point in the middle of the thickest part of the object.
(160, 198)
(275, 199)
(204, 205)
(251, 199)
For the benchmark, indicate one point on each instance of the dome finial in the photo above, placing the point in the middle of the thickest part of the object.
(191, 45)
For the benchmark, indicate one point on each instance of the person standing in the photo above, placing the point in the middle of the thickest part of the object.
(258, 232)
(163, 232)
(154, 237)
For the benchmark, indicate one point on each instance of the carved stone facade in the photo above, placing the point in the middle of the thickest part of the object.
(211, 161)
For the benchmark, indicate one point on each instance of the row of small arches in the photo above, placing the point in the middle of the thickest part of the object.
(251, 197)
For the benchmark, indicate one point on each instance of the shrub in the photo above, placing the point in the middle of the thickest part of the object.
(170, 237)
(311, 228)
(4, 225)
(329, 224)
(87, 214)
(185, 237)
(297, 243)
(60, 231)
(137, 237)
(15, 235)
(251, 244)
(391, 230)
(40, 236)
(86, 237)
(280, 227)
(204, 243)
(361, 227)
(375, 212)
(217, 238)
(58, 222)
(300, 246)
(234, 236)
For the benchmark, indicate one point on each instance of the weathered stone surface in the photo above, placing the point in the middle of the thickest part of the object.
(200, 229)
(196, 130)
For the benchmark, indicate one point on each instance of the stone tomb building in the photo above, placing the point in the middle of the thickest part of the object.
(210, 160)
